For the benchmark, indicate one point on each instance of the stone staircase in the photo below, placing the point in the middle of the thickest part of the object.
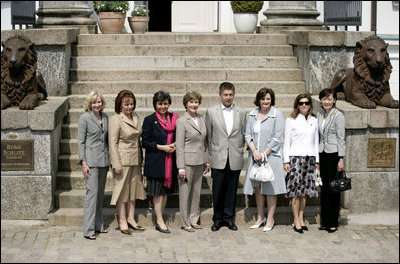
(176, 63)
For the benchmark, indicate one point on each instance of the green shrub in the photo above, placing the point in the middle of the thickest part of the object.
(111, 6)
(246, 6)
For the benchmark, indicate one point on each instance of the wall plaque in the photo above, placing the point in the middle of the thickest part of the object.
(381, 153)
(17, 155)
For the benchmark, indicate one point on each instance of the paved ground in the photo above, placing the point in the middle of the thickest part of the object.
(35, 241)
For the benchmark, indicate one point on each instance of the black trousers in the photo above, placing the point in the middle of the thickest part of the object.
(330, 201)
(224, 187)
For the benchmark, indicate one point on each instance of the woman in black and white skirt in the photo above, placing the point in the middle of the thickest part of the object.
(300, 157)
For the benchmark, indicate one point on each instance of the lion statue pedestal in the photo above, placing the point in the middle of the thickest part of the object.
(367, 84)
(30, 147)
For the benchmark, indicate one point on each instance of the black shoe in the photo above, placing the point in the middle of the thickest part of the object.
(232, 226)
(216, 226)
(305, 228)
(158, 228)
(322, 228)
(332, 230)
(300, 230)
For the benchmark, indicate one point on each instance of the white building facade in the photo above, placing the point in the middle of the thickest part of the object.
(217, 16)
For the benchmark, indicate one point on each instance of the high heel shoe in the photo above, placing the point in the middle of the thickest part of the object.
(259, 225)
(266, 229)
(158, 228)
(298, 230)
(126, 231)
(302, 228)
(138, 227)
(332, 230)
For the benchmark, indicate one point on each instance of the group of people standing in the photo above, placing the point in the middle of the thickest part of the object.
(179, 150)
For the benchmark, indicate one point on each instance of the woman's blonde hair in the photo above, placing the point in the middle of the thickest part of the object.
(92, 96)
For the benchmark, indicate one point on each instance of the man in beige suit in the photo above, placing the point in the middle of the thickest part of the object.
(226, 124)
(191, 160)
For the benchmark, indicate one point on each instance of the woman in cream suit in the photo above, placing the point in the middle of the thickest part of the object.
(93, 156)
(332, 150)
(191, 160)
(126, 160)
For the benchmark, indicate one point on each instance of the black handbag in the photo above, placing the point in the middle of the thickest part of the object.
(340, 183)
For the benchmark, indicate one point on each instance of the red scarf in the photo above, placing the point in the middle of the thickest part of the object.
(169, 127)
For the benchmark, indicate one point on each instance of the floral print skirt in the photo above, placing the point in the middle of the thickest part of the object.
(300, 181)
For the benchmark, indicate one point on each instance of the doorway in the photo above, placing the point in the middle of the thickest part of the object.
(160, 15)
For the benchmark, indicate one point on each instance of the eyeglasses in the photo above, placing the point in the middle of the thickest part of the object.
(303, 103)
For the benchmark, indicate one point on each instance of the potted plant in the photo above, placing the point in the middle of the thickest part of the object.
(111, 15)
(139, 20)
(245, 15)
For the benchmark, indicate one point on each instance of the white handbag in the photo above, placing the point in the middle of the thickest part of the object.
(318, 180)
(262, 171)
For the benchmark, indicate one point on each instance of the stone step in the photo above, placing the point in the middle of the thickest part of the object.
(73, 180)
(74, 113)
(208, 100)
(182, 39)
(211, 74)
(146, 217)
(177, 86)
(69, 162)
(114, 62)
(76, 198)
(182, 50)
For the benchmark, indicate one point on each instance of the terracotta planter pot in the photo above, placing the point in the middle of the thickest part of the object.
(138, 24)
(111, 22)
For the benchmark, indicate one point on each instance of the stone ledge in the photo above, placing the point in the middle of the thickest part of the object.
(46, 36)
(325, 38)
(44, 117)
(361, 118)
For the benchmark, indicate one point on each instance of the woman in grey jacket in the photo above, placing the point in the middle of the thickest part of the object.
(93, 156)
(264, 129)
(332, 149)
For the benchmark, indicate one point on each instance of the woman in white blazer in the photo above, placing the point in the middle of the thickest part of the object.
(332, 150)
(300, 157)
(93, 156)
(191, 160)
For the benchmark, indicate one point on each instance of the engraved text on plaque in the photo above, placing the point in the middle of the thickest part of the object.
(17, 155)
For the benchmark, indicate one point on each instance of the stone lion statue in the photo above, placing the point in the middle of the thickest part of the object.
(21, 84)
(367, 84)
